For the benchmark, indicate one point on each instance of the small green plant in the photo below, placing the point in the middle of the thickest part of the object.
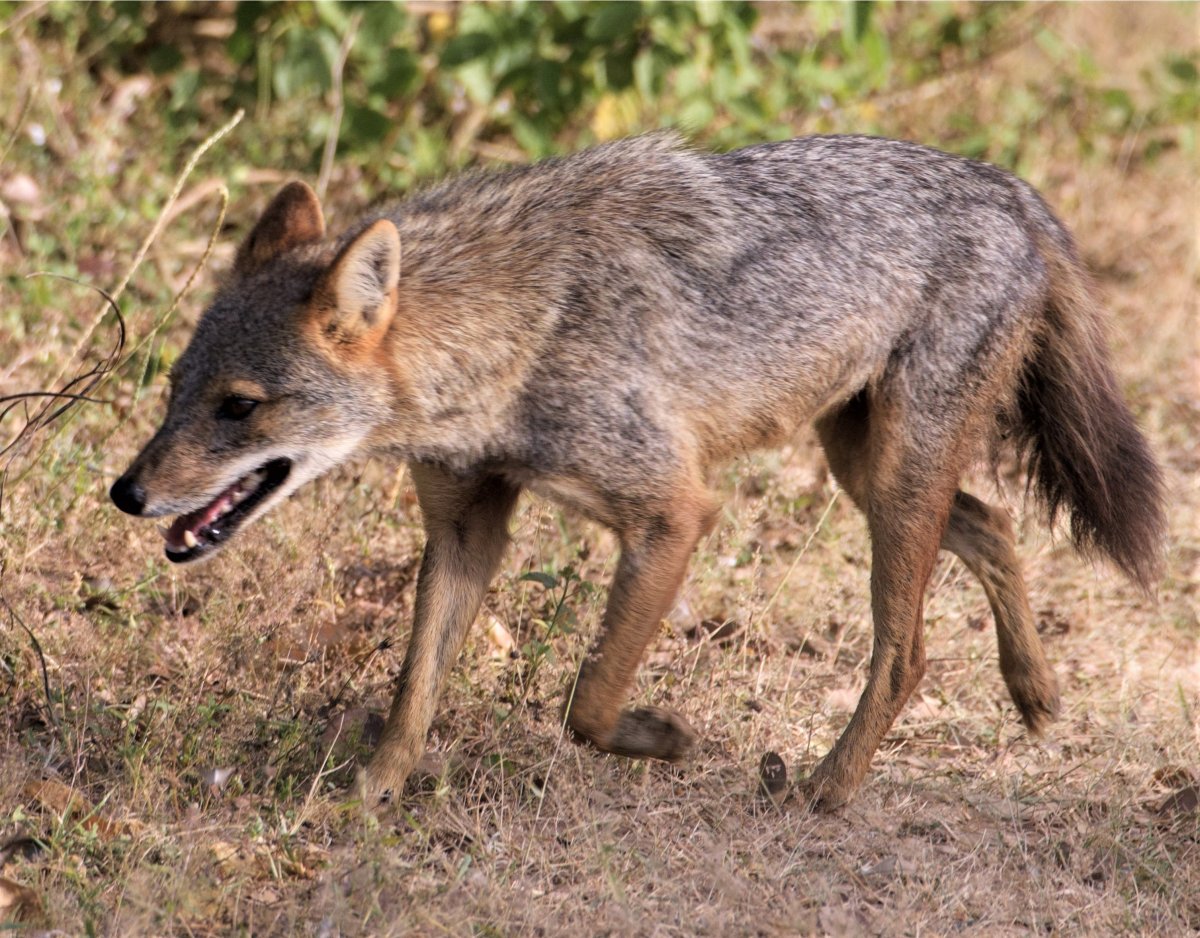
(562, 591)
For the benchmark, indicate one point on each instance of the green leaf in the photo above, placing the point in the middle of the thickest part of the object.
(381, 23)
(1053, 46)
(708, 12)
(532, 136)
(645, 73)
(401, 73)
(305, 63)
(476, 77)
(1119, 101)
(163, 59)
(548, 580)
(466, 48)
(612, 19)
(332, 15)
(184, 87)
(363, 126)
(618, 68)
(240, 46)
(1183, 69)
(696, 115)
(860, 19)
(875, 50)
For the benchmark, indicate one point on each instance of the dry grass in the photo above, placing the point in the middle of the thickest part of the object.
(161, 680)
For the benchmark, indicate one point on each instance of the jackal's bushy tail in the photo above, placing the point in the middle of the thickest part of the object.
(1083, 447)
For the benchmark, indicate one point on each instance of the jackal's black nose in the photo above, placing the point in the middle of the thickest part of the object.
(128, 496)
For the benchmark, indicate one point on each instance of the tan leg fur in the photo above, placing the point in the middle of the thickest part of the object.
(466, 533)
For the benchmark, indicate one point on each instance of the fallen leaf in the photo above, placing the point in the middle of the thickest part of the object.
(500, 638)
(60, 799)
(18, 903)
(1184, 801)
(681, 616)
(1050, 623)
(885, 868)
(57, 797)
(229, 859)
(844, 699)
(216, 778)
(265, 895)
(1173, 776)
(718, 631)
(302, 862)
(20, 189)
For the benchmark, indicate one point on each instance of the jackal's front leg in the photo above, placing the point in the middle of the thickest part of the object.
(654, 557)
(466, 531)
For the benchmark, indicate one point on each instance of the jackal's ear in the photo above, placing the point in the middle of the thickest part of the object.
(293, 218)
(356, 295)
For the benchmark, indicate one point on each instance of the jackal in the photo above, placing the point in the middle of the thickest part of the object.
(608, 328)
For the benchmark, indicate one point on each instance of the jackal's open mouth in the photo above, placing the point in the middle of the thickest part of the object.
(193, 535)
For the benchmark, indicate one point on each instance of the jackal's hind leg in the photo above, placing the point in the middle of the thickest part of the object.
(906, 489)
(981, 536)
(904, 544)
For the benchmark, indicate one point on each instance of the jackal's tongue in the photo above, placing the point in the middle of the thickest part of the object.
(176, 535)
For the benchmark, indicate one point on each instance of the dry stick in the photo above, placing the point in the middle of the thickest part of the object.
(154, 330)
(155, 231)
(77, 389)
(339, 106)
(24, 11)
(302, 814)
(22, 111)
(162, 320)
(37, 648)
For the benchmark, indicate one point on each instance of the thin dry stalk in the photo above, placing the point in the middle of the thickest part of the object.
(159, 223)
(339, 105)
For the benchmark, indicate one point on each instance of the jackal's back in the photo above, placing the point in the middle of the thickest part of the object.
(748, 291)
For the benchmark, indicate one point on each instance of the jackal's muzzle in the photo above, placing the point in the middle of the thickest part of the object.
(191, 536)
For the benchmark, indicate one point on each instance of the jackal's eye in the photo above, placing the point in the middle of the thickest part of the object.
(236, 408)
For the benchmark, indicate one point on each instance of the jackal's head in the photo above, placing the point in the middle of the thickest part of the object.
(286, 376)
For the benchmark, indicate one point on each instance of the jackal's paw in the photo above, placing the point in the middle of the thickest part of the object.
(381, 781)
(375, 791)
(821, 795)
(1036, 697)
(651, 733)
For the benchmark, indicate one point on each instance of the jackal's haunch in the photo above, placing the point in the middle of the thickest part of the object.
(607, 329)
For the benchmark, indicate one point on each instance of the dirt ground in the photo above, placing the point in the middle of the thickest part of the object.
(178, 741)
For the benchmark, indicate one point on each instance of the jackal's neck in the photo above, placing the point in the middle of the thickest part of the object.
(468, 327)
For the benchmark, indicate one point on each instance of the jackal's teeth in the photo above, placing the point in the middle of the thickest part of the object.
(189, 540)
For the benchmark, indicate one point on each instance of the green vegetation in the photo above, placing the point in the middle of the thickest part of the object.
(424, 93)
